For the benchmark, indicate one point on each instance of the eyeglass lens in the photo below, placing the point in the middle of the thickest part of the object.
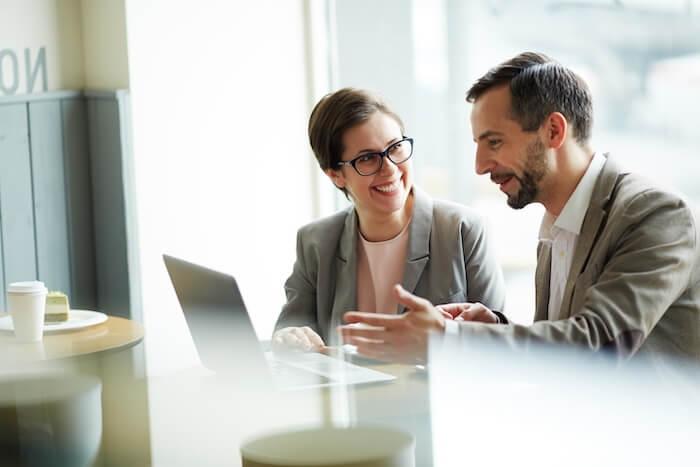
(371, 163)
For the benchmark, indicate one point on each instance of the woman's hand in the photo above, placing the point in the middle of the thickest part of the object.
(302, 339)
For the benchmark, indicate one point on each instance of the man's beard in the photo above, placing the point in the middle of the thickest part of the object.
(535, 169)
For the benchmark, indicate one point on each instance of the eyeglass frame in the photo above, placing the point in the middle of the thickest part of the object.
(381, 154)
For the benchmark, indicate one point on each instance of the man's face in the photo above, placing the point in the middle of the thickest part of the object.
(516, 160)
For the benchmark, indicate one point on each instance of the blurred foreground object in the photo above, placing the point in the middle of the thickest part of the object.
(554, 406)
(328, 447)
(50, 420)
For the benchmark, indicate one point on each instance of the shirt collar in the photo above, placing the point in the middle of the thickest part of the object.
(571, 217)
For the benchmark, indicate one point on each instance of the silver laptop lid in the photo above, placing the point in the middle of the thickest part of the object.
(218, 320)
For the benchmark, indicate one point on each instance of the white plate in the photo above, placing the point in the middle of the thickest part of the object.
(76, 319)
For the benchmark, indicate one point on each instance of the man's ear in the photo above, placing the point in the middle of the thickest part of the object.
(556, 128)
(336, 177)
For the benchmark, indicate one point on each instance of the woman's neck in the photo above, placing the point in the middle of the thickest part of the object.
(379, 228)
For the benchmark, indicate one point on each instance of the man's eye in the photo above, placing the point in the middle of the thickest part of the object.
(493, 143)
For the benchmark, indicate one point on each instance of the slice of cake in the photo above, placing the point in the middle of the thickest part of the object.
(56, 307)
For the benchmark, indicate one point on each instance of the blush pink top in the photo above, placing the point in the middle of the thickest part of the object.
(380, 266)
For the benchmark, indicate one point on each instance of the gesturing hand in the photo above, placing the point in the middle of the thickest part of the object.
(395, 338)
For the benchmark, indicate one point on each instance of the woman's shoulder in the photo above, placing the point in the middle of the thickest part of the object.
(325, 227)
(450, 213)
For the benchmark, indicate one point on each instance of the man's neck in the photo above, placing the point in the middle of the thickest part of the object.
(570, 165)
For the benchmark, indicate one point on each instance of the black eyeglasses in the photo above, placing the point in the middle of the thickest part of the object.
(371, 162)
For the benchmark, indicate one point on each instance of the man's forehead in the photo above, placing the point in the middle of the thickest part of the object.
(491, 110)
(494, 101)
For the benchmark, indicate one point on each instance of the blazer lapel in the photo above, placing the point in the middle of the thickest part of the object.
(597, 212)
(345, 298)
(542, 276)
(418, 252)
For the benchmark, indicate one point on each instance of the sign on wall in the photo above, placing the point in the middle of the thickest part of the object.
(27, 64)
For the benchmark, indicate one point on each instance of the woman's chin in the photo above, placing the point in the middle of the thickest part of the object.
(390, 204)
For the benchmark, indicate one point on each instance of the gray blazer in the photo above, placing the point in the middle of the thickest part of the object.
(634, 280)
(448, 260)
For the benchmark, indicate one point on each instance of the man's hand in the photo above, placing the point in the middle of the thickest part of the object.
(469, 312)
(395, 338)
(302, 339)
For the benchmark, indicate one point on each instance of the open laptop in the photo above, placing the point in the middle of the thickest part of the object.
(226, 341)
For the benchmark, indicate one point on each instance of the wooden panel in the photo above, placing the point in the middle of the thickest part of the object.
(49, 188)
(79, 204)
(113, 294)
(16, 204)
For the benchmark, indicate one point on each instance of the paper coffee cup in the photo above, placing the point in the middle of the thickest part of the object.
(26, 302)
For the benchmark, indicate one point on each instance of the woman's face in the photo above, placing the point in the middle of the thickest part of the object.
(385, 192)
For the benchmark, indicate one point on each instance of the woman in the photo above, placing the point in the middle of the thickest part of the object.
(393, 233)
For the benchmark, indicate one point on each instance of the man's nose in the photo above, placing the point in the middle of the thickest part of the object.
(482, 162)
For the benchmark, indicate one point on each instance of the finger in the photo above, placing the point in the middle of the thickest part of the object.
(365, 340)
(477, 313)
(445, 314)
(410, 301)
(467, 315)
(290, 340)
(277, 341)
(374, 319)
(369, 352)
(315, 339)
(369, 349)
(378, 334)
(455, 309)
(304, 342)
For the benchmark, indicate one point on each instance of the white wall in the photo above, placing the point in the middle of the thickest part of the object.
(54, 24)
(104, 44)
(219, 113)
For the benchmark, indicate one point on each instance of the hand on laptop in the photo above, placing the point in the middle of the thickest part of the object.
(302, 339)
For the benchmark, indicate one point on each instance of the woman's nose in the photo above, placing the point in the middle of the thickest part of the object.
(388, 167)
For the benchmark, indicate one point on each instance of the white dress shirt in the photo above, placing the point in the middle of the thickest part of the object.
(563, 232)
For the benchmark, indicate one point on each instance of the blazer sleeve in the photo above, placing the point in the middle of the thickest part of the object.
(300, 288)
(485, 282)
(649, 267)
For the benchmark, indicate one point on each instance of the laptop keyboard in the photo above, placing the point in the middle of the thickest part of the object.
(288, 376)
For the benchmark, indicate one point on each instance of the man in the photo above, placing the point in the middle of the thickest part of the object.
(617, 263)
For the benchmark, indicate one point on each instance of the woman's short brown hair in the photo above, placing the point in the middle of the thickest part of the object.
(336, 113)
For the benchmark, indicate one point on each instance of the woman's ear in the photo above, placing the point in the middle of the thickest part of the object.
(336, 177)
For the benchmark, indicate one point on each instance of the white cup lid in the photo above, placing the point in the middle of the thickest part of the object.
(27, 287)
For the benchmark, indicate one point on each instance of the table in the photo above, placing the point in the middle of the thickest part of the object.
(108, 353)
(112, 335)
(192, 418)
(202, 420)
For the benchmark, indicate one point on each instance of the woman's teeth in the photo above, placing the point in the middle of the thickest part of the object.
(388, 188)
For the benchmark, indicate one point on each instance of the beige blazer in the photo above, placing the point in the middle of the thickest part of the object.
(448, 260)
(634, 280)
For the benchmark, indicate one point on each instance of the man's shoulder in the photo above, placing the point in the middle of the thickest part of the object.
(636, 195)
